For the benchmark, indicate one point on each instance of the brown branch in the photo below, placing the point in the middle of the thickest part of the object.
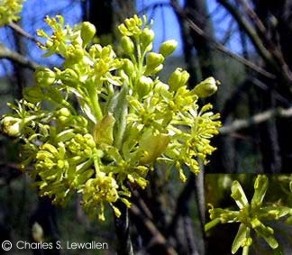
(256, 119)
(6, 53)
(254, 18)
(263, 34)
(23, 33)
(180, 12)
(154, 6)
(182, 205)
(148, 228)
(268, 52)
(251, 32)
(122, 229)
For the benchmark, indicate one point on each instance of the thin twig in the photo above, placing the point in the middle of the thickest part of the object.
(148, 228)
(16, 57)
(122, 226)
(219, 46)
(268, 51)
(22, 32)
(152, 7)
(256, 119)
(253, 17)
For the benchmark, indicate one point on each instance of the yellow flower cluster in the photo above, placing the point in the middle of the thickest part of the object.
(9, 11)
(98, 190)
(110, 117)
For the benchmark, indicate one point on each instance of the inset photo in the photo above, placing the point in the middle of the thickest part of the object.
(248, 214)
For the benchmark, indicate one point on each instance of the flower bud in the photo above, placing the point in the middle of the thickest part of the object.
(64, 112)
(74, 55)
(11, 126)
(129, 67)
(146, 37)
(154, 59)
(81, 122)
(167, 47)
(45, 77)
(178, 79)
(144, 86)
(153, 63)
(63, 115)
(88, 31)
(69, 77)
(127, 45)
(37, 232)
(161, 87)
(206, 88)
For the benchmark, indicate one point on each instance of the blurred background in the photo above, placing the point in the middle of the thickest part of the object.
(245, 44)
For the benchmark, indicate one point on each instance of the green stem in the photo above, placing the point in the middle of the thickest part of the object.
(212, 224)
(245, 250)
(95, 104)
(140, 58)
(122, 108)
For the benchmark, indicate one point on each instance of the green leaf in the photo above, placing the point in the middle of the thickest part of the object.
(103, 130)
(153, 145)
(33, 94)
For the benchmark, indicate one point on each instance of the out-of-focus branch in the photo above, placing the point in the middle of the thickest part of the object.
(8, 172)
(219, 46)
(152, 7)
(122, 227)
(252, 33)
(22, 32)
(6, 53)
(182, 204)
(256, 119)
(254, 17)
(270, 54)
(182, 211)
(263, 34)
(147, 227)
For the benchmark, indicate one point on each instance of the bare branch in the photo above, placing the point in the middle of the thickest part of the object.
(256, 119)
(254, 18)
(219, 46)
(182, 204)
(22, 32)
(252, 33)
(16, 57)
(154, 6)
(268, 52)
(147, 227)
